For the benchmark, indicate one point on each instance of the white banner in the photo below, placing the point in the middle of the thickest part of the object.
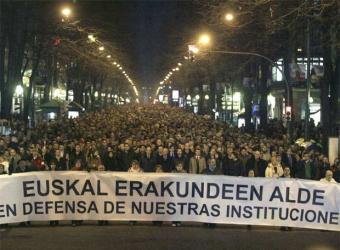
(41, 196)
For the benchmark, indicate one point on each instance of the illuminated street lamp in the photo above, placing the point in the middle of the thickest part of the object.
(101, 48)
(66, 12)
(206, 97)
(229, 17)
(204, 40)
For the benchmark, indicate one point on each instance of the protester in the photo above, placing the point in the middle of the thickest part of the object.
(274, 168)
(4, 163)
(306, 168)
(197, 163)
(336, 170)
(14, 158)
(147, 161)
(101, 168)
(78, 166)
(179, 169)
(212, 169)
(328, 177)
(2, 170)
(135, 167)
(257, 164)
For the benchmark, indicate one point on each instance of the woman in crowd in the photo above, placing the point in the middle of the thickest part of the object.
(274, 168)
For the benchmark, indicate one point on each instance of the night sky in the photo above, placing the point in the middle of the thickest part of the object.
(149, 33)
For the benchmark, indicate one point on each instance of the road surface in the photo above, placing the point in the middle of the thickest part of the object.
(147, 236)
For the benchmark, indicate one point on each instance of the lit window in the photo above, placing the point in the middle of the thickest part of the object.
(277, 71)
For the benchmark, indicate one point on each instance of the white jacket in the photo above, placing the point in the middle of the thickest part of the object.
(270, 170)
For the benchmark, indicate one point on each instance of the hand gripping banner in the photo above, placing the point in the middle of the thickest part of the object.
(44, 196)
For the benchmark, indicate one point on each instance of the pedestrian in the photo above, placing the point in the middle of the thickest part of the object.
(212, 169)
(179, 169)
(101, 168)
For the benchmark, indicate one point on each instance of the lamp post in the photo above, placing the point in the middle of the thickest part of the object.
(308, 86)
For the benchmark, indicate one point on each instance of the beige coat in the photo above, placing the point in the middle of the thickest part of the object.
(193, 165)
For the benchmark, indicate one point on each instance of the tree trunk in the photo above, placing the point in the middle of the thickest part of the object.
(264, 93)
(48, 83)
(29, 101)
(212, 98)
(248, 98)
(17, 32)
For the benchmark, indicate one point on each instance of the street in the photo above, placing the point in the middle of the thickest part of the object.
(146, 236)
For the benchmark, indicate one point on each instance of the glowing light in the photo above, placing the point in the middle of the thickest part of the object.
(204, 39)
(66, 12)
(91, 38)
(108, 56)
(206, 97)
(197, 97)
(229, 17)
(19, 90)
(237, 96)
(193, 48)
(101, 48)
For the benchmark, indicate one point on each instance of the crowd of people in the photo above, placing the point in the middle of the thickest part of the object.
(157, 138)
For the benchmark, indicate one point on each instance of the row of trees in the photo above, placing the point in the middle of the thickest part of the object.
(56, 53)
(275, 29)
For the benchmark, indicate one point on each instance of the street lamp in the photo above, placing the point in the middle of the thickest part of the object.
(204, 40)
(229, 17)
(66, 12)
